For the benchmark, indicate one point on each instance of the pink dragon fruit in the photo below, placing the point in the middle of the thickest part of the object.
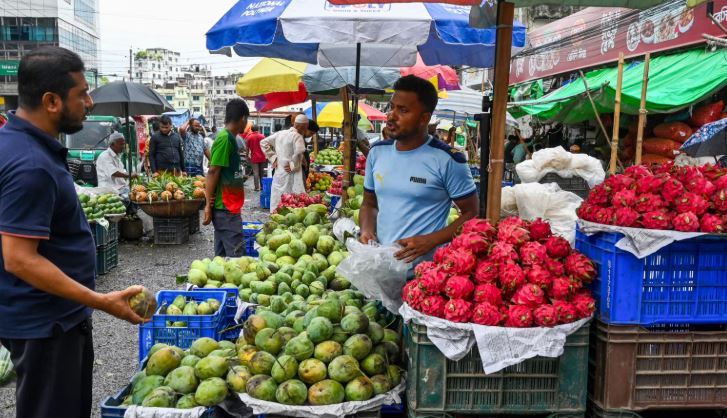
(530, 295)
(459, 287)
(503, 253)
(587, 211)
(539, 276)
(557, 247)
(686, 173)
(458, 261)
(512, 220)
(637, 172)
(423, 267)
(513, 234)
(511, 277)
(486, 314)
(604, 216)
(479, 226)
(657, 219)
(663, 168)
(474, 242)
(439, 254)
(584, 304)
(539, 230)
(488, 293)
(412, 294)
(580, 267)
(626, 217)
(487, 272)
(599, 195)
(545, 316)
(432, 282)
(457, 310)
(649, 184)
(561, 288)
(532, 253)
(566, 312)
(686, 222)
(719, 199)
(519, 316)
(672, 189)
(648, 202)
(701, 186)
(691, 202)
(555, 267)
(711, 223)
(433, 306)
(720, 182)
(624, 198)
(618, 182)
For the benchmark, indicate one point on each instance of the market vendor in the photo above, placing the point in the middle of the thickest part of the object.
(109, 167)
(412, 180)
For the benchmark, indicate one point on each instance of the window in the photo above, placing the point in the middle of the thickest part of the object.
(219, 91)
(196, 109)
(170, 98)
(195, 98)
(85, 11)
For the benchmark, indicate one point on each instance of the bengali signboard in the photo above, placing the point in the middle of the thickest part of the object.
(596, 35)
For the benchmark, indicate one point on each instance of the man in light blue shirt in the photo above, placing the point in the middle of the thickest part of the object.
(411, 181)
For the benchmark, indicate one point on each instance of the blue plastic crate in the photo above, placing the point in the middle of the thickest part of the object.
(228, 317)
(111, 405)
(198, 326)
(265, 201)
(683, 283)
(475, 171)
(334, 201)
(507, 184)
(249, 236)
(267, 183)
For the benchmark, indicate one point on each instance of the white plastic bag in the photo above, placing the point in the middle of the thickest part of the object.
(565, 164)
(375, 271)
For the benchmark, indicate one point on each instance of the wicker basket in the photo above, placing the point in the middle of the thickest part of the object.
(173, 208)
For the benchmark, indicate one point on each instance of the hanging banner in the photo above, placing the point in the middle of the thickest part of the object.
(596, 35)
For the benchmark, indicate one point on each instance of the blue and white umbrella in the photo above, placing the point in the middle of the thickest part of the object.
(389, 35)
(709, 140)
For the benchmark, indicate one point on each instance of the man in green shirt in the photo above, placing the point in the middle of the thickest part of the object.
(225, 182)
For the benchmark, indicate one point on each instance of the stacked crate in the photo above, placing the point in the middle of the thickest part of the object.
(107, 246)
(267, 184)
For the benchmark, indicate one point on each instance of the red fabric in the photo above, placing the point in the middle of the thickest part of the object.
(253, 143)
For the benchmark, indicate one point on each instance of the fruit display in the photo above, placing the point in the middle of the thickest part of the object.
(300, 200)
(336, 187)
(453, 215)
(318, 181)
(167, 188)
(329, 156)
(320, 350)
(668, 197)
(517, 274)
(98, 207)
(203, 375)
(361, 165)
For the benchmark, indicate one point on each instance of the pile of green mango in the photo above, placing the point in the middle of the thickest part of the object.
(182, 306)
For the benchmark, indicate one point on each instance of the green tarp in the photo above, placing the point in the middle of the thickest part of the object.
(675, 81)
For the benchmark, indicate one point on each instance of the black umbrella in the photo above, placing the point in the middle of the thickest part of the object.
(123, 99)
(709, 140)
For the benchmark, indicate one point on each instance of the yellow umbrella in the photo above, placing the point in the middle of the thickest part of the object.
(271, 76)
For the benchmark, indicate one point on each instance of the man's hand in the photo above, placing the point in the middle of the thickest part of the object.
(287, 168)
(207, 215)
(134, 176)
(275, 164)
(414, 248)
(366, 237)
(117, 304)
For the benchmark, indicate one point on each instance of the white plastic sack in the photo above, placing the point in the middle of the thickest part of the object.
(94, 191)
(375, 272)
(565, 164)
(135, 411)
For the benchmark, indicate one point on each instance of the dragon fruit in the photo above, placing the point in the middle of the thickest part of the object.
(503, 253)
(648, 202)
(719, 199)
(479, 226)
(711, 223)
(457, 310)
(691, 202)
(532, 253)
(519, 316)
(618, 182)
(624, 198)
(434, 305)
(557, 247)
(539, 276)
(432, 282)
(637, 172)
(486, 314)
(566, 312)
(458, 261)
(423, 267)
(686, 222)
(486, 272)
(488, 293)
(512, 220)
(587, 211)
(440, 253)
(720, 182)
(626, 217)
(561, 288)
(604, 216)
(700, 186)
(656, 219)
(598, 195)
(459, 287)
(555, 267)
(663, 168)
(686, 173)
(711, 172)
(584, 304)
(412, 294)
(649, 184)
(672, 189)
(513, 234)
(511, 277)
(545, 316)
(539, 230)
(530, 295)
(580, 267)
(472, 241)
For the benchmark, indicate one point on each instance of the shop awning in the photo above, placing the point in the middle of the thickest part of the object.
(675, 81)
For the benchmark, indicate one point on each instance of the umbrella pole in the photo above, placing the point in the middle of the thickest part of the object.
(128, 135)
(355, 113)
(617, 116)
(503, 48)
(347, 145)
(314, 114)
(642, 110)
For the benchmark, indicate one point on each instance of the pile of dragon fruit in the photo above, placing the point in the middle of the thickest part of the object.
(682, 198)
(299, 200)
(517, 274)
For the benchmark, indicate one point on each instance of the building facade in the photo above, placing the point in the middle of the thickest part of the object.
(155, 67)
(28, 24)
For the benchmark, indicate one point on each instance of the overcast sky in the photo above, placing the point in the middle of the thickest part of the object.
(178, 25)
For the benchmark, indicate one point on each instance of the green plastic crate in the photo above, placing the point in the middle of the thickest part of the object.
(438, 386)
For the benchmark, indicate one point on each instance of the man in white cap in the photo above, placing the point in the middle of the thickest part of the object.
(109, 167)
(432, 127)
(285, 150)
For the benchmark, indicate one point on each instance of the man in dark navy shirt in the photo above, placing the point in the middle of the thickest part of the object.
(47, 268)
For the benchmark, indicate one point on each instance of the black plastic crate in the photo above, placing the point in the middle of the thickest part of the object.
(171, 231)
(107, 257)
(573, 184)
(103, 235)
(194, 223)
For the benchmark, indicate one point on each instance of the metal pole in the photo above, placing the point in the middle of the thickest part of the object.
(131, 69)
(484, 119)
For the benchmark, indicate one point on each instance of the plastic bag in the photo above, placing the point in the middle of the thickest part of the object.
(707, 113)
(375, 271)
(677, 131)
(661, 146)
(558, 160)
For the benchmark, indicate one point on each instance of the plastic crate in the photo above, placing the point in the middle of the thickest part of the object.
(267, 185)
(194, 223)
(107, 257)
(573, 184)
(684, 282)
(198, 326)
(228, 316)
(594, 411)
(437, 386)
(265, 201)
(249, 236)
(102, 235)
(334, 201)
(111, 405)
(662, 367)
(171, 231)
(475, 171)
